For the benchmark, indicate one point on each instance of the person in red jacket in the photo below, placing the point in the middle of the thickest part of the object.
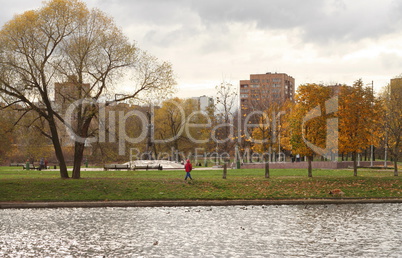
(188, 167)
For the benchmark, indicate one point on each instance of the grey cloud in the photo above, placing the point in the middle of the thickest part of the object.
(395, 14)
(352, 23)
(391, 61)
(273, 14)
(319, 21)
(158, 12)
(165, 37)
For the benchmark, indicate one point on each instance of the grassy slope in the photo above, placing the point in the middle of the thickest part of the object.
(20, 185)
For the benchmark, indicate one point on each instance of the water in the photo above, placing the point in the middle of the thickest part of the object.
(368, 230)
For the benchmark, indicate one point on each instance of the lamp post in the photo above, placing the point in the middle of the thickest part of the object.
(150, 136)
(278, 119)
(372, 146)
(386, 131)
(237, 158)
(386, 150)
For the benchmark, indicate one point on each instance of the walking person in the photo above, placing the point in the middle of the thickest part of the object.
(41, 164)
(188, 167)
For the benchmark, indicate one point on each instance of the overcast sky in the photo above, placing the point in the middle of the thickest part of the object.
(314, 41)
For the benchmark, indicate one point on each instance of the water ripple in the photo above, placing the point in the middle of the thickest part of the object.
(369, 230)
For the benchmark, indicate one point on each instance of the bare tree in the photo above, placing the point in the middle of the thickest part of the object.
(226, 101)
(64, 40)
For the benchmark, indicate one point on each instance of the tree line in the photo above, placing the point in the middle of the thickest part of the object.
(326, 122)
(333, 123)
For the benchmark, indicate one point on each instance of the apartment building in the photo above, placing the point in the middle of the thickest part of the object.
(203, 102)
(65, 94)
(262, 90)
(396, 86)
(68, 92)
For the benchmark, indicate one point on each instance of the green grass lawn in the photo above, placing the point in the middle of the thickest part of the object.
(20, 185)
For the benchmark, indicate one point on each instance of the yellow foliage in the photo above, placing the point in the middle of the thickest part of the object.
(359, 118)
(309, 97)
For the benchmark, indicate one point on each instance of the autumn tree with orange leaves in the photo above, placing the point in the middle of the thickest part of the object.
(359, 120)
(308, 121)
(392, 99)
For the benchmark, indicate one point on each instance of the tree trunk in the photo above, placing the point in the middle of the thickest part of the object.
(395, 165)
(395, 168)
(78, 157)
(266, 169)
(310, 166)
(60, 158)
(354, 155)
(80, 146)
(224, 170)
(58, 150)
(374, 149)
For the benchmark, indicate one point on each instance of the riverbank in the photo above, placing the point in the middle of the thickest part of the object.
(191, 203)
(139, 187)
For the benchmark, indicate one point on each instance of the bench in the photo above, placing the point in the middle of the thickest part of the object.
(116, 166)
(18, 165)
(31, 167)
(158, 167)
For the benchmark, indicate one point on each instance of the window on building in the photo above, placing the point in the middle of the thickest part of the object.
(255, 86)
(244, 95)
(255, 81)
(276, 80)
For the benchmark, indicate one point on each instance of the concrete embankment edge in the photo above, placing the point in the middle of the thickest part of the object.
(189, 203)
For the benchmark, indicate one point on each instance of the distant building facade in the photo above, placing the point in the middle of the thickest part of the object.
(203, 102)
(396, 86)
(336, 89)
(262, 90)
(65, 94)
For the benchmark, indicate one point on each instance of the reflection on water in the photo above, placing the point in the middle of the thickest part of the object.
(258, 231)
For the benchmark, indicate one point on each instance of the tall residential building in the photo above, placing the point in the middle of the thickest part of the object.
(262, 90)
(65, 94)
(396, 86)
(204, 102)
(68, 92)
